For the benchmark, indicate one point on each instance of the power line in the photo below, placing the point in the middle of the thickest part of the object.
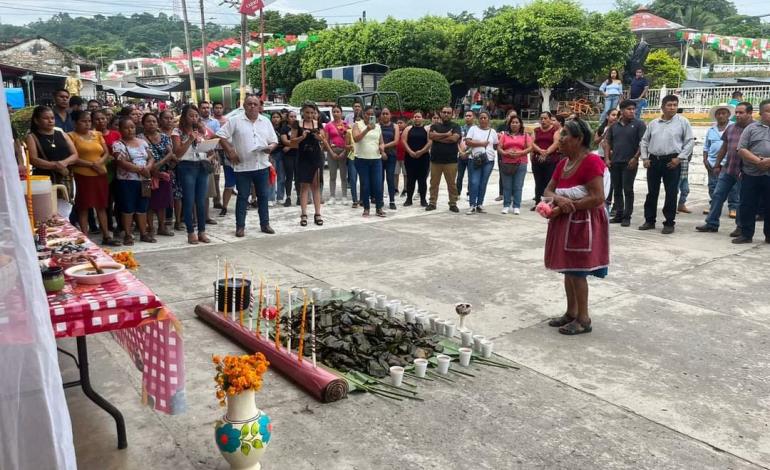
(339, 6)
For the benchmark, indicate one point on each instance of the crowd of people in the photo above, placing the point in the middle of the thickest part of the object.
(142, 169)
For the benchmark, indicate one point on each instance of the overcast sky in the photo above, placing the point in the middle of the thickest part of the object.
(335, 11)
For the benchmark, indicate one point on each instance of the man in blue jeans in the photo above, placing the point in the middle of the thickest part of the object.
(754, 150)
(728, 171)
(638, 91)
(248, 140)
(462, 162)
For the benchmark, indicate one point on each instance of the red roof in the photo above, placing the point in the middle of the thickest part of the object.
(644, 20)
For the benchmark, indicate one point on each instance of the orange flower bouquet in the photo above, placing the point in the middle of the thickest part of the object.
(236, 374)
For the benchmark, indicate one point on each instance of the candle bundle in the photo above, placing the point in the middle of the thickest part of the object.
(290, 324)
(301, 348)
(312, 335)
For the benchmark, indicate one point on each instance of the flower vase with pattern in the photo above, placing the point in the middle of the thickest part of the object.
(243, 432)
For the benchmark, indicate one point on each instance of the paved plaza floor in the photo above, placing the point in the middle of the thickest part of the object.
(674, 376)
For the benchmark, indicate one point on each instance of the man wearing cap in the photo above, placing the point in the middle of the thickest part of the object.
(712, 144)
(727, 168)
(754, 150)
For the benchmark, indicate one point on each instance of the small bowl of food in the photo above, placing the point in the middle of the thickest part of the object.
(87, 273)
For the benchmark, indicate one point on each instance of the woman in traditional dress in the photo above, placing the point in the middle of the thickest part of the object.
(577, 244)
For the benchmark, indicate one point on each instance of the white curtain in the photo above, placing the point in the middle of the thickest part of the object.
(35, 428)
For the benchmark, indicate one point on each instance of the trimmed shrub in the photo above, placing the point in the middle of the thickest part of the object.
(321, 89)
(420, 89)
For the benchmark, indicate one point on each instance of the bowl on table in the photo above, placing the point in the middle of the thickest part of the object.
(86, 274)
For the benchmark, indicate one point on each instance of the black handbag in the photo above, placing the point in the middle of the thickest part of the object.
(480, 158)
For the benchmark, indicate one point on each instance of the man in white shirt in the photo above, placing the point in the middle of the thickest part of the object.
(248, 140)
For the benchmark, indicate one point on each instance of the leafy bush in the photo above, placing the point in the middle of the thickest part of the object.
(662, 69)
(420, 89)
(20, 121)
(321, 89)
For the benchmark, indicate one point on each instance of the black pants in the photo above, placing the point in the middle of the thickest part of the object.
(289, 168)
(623, 189)
(658, 172)
(755, 199)
(542, 173)
(417, 172)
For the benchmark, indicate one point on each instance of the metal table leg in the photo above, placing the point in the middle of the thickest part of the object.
(85, 384)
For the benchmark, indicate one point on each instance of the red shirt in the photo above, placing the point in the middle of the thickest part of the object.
(517, 143)
(400, 150)
(591, 167)
(110, 137)
(336, 133)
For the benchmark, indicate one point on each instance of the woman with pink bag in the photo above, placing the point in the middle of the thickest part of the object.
(162, 197)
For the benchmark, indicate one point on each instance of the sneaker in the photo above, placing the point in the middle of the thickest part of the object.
(454, 208)
(733, 213)
(271, 203)
(471, 211)
(354, 205)
(736, 232)
(625, 223)
(647, 226)
(667, 230)
(741, 240)
(505, 210)
(392, 206)
(499, 198)
(480, 210)
(516, 211)
(430, 207)
(706, 228)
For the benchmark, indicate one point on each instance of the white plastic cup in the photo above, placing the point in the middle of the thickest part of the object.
(439, 326)
(443, 363)
(425, 321)
(467, 338)
(432, 319)
(391, 309)
(409, 315)
(419, 318)
(396, 375)
(465, 356)
(449, 329)
(364, 294)
(407, 306)
(371, 302)
(381, 301)
(486, 348)
(420, 367)
(396, 303)
(336, 292)
(356, 291)
(315, 293)
(477, 339)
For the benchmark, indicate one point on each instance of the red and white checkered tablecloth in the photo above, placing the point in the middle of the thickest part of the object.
(139, 322)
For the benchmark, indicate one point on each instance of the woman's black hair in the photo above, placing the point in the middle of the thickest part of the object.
(124, 120)
(78, 115)
(603, 125)
(484, 112)
(150, 115)
(183, 124)
(609, 75)
(36, 113)
(560, 119)
(510, 121)
(97, 111)
(336, 106)
(548, 113)
(579, 128)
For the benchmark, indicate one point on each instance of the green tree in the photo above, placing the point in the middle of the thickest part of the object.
(420, 89)
(283, 71)
(697, 17)
(462, 17)
(321, 90)
(626, 7)
(744, 26)
(289, 23)
(663, 69)
(673, 9)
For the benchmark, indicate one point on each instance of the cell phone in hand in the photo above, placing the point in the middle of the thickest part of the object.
(372, 120)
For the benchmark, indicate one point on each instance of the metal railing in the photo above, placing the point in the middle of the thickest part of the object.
(700, 100)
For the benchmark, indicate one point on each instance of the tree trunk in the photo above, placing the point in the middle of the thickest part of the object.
(546, 94)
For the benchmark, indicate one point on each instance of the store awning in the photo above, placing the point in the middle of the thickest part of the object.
(137, 92)
(184, 85)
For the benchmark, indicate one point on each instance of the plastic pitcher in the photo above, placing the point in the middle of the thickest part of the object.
(44, 196)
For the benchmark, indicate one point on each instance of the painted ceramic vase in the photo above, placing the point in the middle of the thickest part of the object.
(243, 432)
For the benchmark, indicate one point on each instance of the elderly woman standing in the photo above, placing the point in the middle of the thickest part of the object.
(162, 197)
(577, 244)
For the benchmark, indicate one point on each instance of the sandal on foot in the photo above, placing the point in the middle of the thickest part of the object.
(147, 238)
(318, 219)
(561, 321)
(111, 242)
(575, 328)
(178, 226)
(192, 239)
(303, 220)
(380, 213)
(165, 232)
(128, 240)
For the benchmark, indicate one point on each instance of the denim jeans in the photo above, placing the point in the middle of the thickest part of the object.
(755, 196)
(641, 103)
(513, 185)
(389, 167)
(725, 188)
(478, 179)
(370, 172)
(712, 184)
(462, 165)
(277, 191)
(353, 179)
(194, 180)
(659, 172)
(623, 189)
(684, 190)
(610, 103)
(243, 181)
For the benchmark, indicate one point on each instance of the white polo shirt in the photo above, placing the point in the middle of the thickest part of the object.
(247, 136)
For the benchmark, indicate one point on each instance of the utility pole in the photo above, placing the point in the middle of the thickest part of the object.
(244, 45)
(206, 95)
(193, 92)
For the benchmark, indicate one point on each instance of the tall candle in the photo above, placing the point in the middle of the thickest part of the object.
(301, 348)
(232, 311)
(277, 317)
(252, 306)
(243, 292)
(312, 334)
(290, 324)
(216, 288)
(225, 302)
(259, 308)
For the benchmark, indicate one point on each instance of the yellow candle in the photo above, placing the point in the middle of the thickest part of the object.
(301, 349)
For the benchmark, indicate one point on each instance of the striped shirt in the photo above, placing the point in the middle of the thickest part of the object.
(731, 137)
